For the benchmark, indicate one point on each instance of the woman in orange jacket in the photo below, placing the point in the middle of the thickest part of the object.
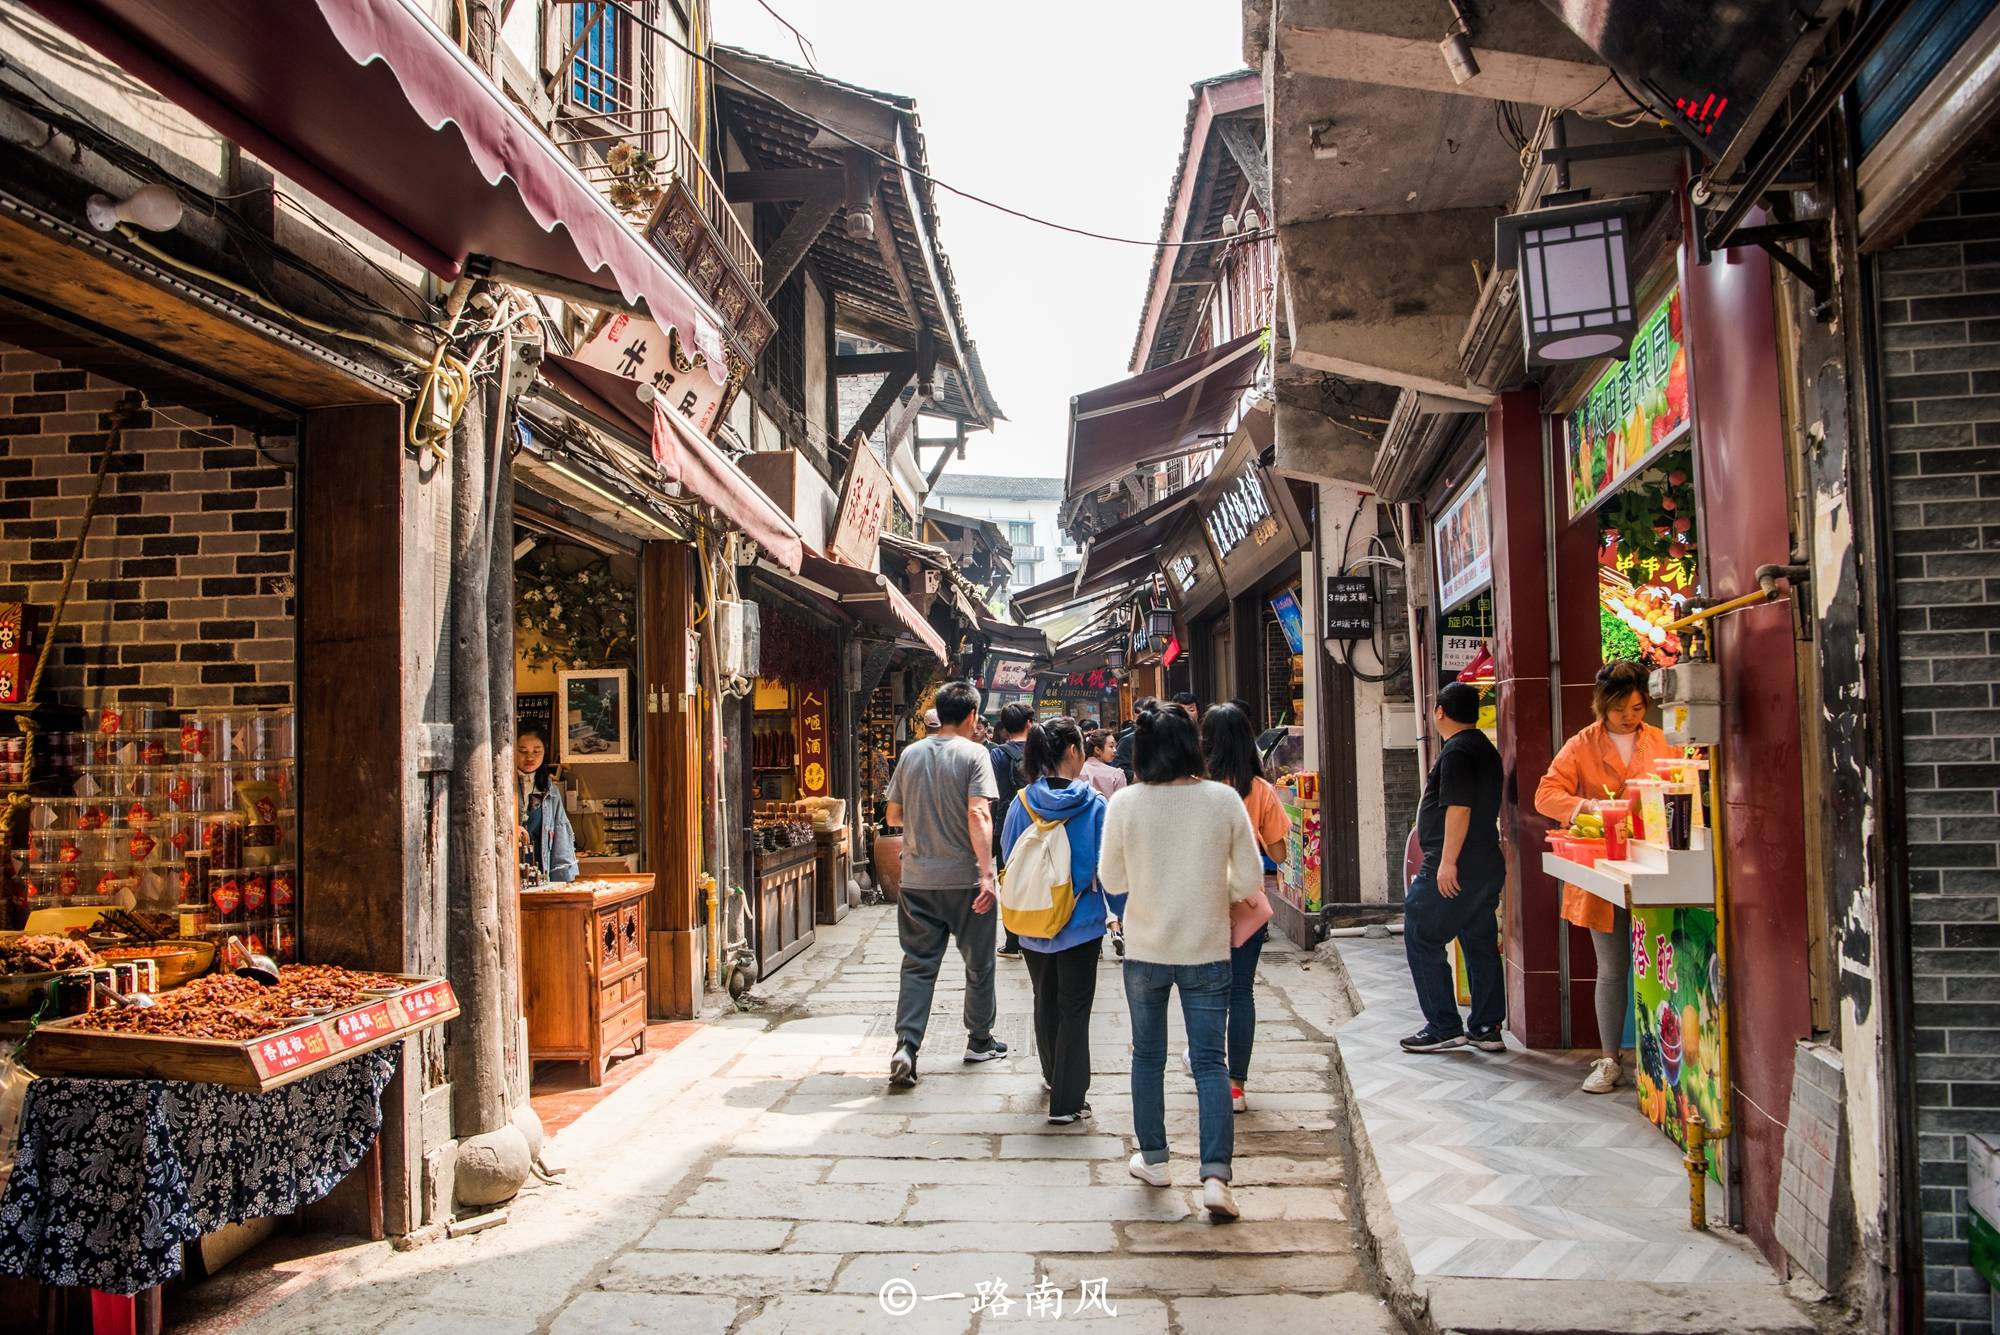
(1593, 765)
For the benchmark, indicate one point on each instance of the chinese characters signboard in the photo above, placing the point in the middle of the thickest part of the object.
(288, 1052)
(1678, 993)
(814, 779)
(1637, 408)
(1462, 539)
(1241, 514)
(1012, 674)
(639, 350)
(864, 508)
(1350, 608)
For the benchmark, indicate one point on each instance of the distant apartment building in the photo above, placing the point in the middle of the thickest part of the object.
(1025, 508)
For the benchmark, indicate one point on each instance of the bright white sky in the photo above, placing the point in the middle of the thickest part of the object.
(1072, 112)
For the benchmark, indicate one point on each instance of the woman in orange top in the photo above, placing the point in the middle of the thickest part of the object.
(1592, 765)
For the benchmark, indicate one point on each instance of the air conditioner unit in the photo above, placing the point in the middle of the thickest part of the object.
(753, 639)
(729, 637)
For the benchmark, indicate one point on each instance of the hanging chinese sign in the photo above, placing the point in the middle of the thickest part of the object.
(814, 779)
(640, 350)
(864, 507)
(1678, 995)
(1637, 409)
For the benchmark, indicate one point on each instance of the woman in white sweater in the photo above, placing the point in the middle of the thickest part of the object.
(1183, 851)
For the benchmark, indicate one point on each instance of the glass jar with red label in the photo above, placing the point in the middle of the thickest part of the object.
(225, 895)
(222, 838)
(269, 735)
(281, 942)
(256, 891)
(284, 888)
(195, 738)
(193, 878)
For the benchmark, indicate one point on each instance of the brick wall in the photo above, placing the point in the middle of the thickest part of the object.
(1402, 790)
(184, 596)
(1940, 308)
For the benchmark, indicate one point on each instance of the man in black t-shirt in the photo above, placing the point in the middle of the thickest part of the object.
(1456, 894)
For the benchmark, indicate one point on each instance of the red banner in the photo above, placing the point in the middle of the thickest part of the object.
(814, 778)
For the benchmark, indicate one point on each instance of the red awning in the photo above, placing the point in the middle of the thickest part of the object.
(872, 598)
(1156, 414)
(702, 471)
(369, 106)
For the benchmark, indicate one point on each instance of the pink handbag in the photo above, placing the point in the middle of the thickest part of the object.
(1247, 915)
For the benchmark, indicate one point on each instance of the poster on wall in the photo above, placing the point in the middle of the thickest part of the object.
(596, 707)
(1462, 537)
(1678, 993)
(536, 708)
(814, 778)
(1637, 409)
(1011, 674)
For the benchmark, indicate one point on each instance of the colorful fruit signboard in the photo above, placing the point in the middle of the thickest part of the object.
(1637, 408)
(1678, 995)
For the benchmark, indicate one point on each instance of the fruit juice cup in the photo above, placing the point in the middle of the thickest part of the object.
(1652, 809)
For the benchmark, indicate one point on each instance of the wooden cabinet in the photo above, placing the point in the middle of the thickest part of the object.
(583, 964)
(835, 867)
(786, 881)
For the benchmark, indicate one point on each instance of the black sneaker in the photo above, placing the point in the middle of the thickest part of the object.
(1428, 1039)
(903, 1068)
(1082, 1114)
(1487, 1040)
(1007, 954)
(984, 1049)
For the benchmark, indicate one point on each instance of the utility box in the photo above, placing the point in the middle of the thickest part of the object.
(1690, 700)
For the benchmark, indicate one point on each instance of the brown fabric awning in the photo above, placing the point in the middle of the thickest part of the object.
(1156, 414)
(1134, 536)
(872, 598)
(373, 109)
(702, 470)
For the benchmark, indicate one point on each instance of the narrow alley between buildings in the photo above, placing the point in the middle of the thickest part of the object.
(762, 1177)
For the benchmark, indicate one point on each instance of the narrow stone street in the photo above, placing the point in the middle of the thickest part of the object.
(762, 1177)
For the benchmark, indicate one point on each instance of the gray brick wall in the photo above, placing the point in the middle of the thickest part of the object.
(1402, 789)
(1940, 309)
(184, 595)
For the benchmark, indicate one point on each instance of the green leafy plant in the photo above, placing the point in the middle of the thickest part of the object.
(580, 617)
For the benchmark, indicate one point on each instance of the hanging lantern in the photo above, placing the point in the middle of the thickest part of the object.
(1576, 278)
(1114, 657)
(1160, 623)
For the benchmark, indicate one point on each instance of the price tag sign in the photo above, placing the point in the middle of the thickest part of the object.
(1350, 608)
(426, 1003)
(289, 1051)
(357, 1028)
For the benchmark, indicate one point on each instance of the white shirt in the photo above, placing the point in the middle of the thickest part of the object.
(1624, 742)
(1183, 853)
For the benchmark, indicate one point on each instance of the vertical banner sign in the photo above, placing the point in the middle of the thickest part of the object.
(1637, 408)
(640, 350)
(814, 780)
(1462, 539)
(864, 505)
(1678, 994)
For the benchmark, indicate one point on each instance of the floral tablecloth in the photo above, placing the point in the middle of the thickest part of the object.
(112, 1176)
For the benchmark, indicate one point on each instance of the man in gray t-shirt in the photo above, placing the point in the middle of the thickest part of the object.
(941, 794)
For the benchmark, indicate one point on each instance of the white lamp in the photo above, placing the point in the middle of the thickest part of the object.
(155, 208)
(1576, 281)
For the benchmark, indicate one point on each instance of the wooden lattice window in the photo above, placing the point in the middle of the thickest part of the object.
(603, 75)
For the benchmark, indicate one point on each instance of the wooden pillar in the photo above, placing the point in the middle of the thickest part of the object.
(1522, 648)
(371, 873)
(674, 767)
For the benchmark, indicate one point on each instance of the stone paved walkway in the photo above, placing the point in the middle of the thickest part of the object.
(763, 1178)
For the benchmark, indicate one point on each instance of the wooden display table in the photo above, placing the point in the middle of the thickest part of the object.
(835, 868)
(583, 966)
(784, 907)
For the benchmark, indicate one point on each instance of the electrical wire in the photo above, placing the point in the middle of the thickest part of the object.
(805, 47)
(622, 7)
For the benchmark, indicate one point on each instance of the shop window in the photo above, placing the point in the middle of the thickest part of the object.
(1021, 532)
(783, 367)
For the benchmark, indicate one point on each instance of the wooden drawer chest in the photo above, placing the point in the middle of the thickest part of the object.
(583, 965)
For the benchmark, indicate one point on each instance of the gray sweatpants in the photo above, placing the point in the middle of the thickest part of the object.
(1614, 980)
(926, 920)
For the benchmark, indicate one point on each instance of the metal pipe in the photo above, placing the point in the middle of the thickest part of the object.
(1697, 1171)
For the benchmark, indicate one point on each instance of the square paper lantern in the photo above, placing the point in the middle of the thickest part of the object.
(1576, 280)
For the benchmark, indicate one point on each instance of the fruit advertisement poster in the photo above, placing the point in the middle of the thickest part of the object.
(1678, 996)
(1637, 408)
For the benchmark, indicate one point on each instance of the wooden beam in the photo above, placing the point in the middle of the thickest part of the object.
(1246, 146)
(892, 260)
(673, 754)
(789, 250)
(871, 324)
(879, 406)
(874, 363)
(926, 246)
(779, 185)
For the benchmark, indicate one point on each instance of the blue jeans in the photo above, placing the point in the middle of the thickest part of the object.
(1243, 1002)
(1430, 922)
(1204, 990)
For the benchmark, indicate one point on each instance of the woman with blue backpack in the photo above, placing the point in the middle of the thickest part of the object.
(1050, 898)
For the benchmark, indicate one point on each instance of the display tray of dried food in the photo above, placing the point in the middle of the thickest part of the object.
(227, 1030)
(28, 962)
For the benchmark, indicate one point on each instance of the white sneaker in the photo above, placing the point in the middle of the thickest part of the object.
(1218, 1199)
(1152, 1174)
(1604, 1076)
(1237, 1103)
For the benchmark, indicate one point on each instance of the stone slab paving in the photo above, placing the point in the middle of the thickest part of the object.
(763, 1178)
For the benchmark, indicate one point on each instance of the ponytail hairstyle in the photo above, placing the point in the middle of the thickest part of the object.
(1165, 747)
(1047, 744)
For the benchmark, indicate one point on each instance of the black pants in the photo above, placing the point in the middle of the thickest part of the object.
(1430, 923)
(1065, 983)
